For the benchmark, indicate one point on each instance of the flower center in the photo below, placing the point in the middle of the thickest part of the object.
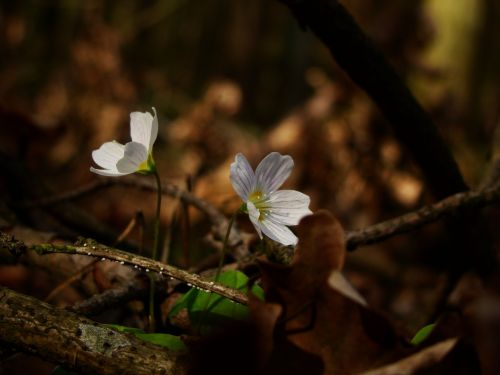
(255, 196)
(148, 166)
(143, 166)
(259, 200)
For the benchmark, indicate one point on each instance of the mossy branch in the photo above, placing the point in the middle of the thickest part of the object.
(78, 343)
(93, 249)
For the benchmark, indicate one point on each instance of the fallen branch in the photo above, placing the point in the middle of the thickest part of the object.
(108, 253)
(426, 215)
(78, 343)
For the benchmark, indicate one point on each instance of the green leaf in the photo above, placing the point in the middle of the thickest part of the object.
(209, 311)
(422, 334)
(162, 339)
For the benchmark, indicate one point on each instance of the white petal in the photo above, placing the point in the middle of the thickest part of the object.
(278, 232)
(154, 130)
(288, 207)
(144, 128)
(272, 171)
(135, 154)
(107, 172)
(254, 215)
(242, 176)
(108, 154)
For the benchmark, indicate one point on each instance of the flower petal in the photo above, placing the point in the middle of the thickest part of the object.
(107, 172)
(242, 176)
(272, 171)
(154, 130)
(108, 154)
(144, 128)
(254, 214)
(278, 232)
(288, 207)
(135, 154)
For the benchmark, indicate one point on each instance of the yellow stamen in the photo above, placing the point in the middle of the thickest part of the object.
(255, 196)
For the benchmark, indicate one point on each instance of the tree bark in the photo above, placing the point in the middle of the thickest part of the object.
(78, 343)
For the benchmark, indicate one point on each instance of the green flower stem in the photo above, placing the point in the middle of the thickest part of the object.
(156, 245)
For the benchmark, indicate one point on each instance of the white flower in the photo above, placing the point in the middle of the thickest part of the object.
(136, 156)
(269, 209)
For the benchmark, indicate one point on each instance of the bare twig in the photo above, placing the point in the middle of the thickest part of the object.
(217, 219)
(89, 267)
(110, 298)
(78, 343)
(428, 214)
(131, 181)
(69, 195)
(146, 264)
(70, 280)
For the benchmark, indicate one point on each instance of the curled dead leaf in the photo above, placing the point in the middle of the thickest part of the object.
(321, 313)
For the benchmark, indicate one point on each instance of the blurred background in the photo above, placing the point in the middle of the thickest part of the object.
(241, 76)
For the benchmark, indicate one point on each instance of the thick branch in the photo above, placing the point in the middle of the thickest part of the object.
(79, 343)
(146, 264)
(366, 66)
(423, 216)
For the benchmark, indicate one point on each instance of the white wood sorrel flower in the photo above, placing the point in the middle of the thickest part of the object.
(269, 209)
(136, 156)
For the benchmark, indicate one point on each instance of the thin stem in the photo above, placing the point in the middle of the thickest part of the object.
(156, 245)
(224, 246)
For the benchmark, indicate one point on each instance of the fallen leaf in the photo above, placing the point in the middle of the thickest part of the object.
(321, 313)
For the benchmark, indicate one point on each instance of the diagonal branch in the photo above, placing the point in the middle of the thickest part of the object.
(218, 220)
(213, 214)
(425, 215)
(366, 66)
(108, 253)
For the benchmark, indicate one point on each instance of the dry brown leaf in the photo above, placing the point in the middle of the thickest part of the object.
(318, 318)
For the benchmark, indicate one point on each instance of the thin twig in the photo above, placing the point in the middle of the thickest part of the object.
(428, 214)
(218, 220)
(131, 181)
(70, 280)
(71, 195)
(86, 269)
(98, 303)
